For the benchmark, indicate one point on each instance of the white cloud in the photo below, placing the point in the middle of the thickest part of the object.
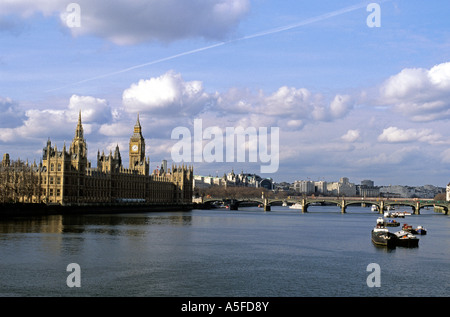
(130, 22)
(341, 105)
(351, 136)
(288, 101)
(168, 94)
(54, 123)
(287, 105)
(93, 109)
(418, 93)
(38, 124)
(396, 135)
(115, 129)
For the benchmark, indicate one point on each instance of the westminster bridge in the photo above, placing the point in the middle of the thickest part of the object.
(343, 202)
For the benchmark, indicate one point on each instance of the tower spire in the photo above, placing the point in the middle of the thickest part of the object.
(79, 131)
(137, 126)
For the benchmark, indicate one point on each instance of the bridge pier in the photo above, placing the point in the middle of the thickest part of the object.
(343, 207)
(266, 205)
(233, 205)
(417, 208)
(304, 205)
(381, 211)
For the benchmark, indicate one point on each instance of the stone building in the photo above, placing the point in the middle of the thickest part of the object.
(233, 180)
(66, 177)
(368, 189)
(342, 188)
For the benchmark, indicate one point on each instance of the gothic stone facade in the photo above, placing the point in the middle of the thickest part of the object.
(66, 177)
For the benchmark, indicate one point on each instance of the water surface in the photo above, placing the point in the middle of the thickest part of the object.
(282, 253)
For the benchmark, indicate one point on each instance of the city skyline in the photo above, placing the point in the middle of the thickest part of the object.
(350, 100)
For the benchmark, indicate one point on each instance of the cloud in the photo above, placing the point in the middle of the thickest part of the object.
(11, 115)
(351, 136)
(54, 123)
(393, 157)
(418, 93)
(26, 8)
(445, 156)
(131, 22)
(170, 95)
(115, 129)
(396, 135)
(167, 94)
(38, 123)
(341, 105)
(94, 110)
(289, 106)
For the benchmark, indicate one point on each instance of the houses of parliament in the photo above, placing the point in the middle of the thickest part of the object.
(66, 177)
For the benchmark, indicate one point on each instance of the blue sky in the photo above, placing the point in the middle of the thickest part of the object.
(349, 100)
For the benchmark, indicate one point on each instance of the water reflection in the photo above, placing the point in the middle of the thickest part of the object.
(108, 224)
(45, 224)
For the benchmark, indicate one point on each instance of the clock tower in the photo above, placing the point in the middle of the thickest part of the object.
(137, 147)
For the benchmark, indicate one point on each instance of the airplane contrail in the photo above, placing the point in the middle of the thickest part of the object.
(247, 37)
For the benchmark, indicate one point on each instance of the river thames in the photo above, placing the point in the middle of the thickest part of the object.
(217, 252)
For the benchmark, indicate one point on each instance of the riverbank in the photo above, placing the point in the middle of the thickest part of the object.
(8, 210)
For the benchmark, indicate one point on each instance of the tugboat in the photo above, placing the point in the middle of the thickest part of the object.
(421, 230)
(408, 228)
(406, 239)
(382, 236)
(392, 223)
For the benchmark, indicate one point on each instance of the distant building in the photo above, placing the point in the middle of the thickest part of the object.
(320, 187)
(208, 181)
(448, 192)
(304, 187)
(399, 191)
(342, 188)
(233, 180)
(367, 189)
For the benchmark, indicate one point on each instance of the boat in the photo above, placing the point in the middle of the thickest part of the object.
(392, 223)
(388, 214)
(406, 239)
(408, 228)
(381, 235)
(374, 208)
(421, 230)
(296, 206)
(284, 204)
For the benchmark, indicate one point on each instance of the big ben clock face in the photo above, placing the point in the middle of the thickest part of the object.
(134, 148)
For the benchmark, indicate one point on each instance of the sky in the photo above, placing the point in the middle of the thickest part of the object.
(353, 90)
